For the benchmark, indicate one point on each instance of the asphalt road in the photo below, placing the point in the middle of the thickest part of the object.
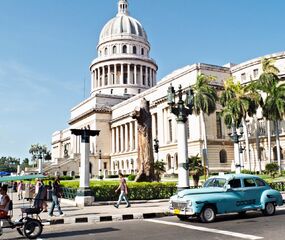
(253, 226)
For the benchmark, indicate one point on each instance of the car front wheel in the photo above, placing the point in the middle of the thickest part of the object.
(269, 209)
(208, 214)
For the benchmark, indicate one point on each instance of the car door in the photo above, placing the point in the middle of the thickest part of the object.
(252, 193)
(232, 197)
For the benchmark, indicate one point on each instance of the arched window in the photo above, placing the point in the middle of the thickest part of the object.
(223, 156)
(125, 49)
(106, 51)
(134, 50)
(114, 50)
(142, 51)
(168, 162)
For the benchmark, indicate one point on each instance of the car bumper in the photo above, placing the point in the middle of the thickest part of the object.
(186, 212)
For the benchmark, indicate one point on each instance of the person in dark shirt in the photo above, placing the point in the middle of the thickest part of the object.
(56, 194)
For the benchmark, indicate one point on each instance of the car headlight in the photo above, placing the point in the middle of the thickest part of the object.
(189, 203)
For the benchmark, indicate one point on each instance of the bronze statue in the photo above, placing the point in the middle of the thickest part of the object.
(145, 151)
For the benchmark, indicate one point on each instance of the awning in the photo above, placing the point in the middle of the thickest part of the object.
(22, 177)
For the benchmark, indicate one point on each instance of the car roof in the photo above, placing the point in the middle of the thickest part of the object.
(232, 176)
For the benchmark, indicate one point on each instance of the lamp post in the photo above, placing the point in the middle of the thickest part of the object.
(235, 137)
(100, 164)
(181, 110)
(156, 147)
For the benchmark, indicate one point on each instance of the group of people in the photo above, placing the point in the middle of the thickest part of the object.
(42, 193)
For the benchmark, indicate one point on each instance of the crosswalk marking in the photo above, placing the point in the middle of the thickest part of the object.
(204, 229)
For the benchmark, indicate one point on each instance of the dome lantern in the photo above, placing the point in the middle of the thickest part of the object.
(123, 7)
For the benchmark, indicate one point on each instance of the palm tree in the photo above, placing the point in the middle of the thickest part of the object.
(239, 101)
(274, 103)
(268, 67)
(196, 168)
(205, 98)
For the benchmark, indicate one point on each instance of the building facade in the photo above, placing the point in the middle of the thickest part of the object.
(121, 76)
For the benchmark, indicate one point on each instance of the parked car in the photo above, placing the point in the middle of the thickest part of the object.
(226, 194)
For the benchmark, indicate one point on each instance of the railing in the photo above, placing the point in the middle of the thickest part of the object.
(69, 193)
(280, 186)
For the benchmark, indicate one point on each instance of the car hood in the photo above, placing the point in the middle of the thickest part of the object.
(197, 191)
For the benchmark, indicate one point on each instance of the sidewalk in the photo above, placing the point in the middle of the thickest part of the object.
(99, 212)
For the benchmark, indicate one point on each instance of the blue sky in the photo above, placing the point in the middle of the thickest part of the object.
(46, 47)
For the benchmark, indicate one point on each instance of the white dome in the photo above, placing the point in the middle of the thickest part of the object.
(122, 25)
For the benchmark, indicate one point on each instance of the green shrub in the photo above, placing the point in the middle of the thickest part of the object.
(131, 177)
(112, 176)
(272, 169)
(105, 190)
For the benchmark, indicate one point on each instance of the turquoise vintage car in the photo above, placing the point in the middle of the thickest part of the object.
(226, 194)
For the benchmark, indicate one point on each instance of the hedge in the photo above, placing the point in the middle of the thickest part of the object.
(105, 191)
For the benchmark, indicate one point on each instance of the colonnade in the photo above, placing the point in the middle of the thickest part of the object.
(118, 74)
(124, 137)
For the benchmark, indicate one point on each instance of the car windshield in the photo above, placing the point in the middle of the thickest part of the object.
(215, 182)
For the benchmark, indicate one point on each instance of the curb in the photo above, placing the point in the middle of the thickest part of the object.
(111, 218)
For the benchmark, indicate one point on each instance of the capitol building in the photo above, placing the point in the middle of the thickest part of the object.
(122, 74)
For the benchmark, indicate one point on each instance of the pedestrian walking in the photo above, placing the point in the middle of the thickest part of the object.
(20, 187)
(56, 194)
(124, 192)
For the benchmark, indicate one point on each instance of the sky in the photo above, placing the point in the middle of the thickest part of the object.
(46, 47)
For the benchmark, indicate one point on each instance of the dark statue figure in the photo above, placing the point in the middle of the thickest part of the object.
(145, 151)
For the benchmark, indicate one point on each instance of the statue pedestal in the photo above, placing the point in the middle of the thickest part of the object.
(84, 197)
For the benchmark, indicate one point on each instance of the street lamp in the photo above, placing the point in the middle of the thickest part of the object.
(156, 147)
(181, 110)
(235, 137)
(100, 164)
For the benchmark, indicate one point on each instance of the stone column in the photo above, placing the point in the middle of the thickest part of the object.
(183, 172)
(92, 80)
(135, 74)
(84, 195)
(129, 74)
(113, 141)
(147, 76)
(141, 76)
(122, 138)
(126, 138)
(122, 74)
(109, 75)
(117, 139)
(131, 136)
(115, 73)
(103, 78)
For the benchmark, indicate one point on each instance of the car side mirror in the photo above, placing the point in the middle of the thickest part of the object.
(228, 187)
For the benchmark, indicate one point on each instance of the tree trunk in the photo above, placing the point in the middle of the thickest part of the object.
(269, 140)
(278, 145)
(246, 143)
(205, 144)
(196, 179)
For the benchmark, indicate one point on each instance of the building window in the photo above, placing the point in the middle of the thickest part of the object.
(219, 125)
(139, 91)
(255, 73)
(223, 156)
(111, 91)
(114, 50)
(134, 50)
(126, 91)
(106, 51)
(243, 77)
(275, 153)
(142, 51)
(125, 49)
(125, 78)
(170, 129)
